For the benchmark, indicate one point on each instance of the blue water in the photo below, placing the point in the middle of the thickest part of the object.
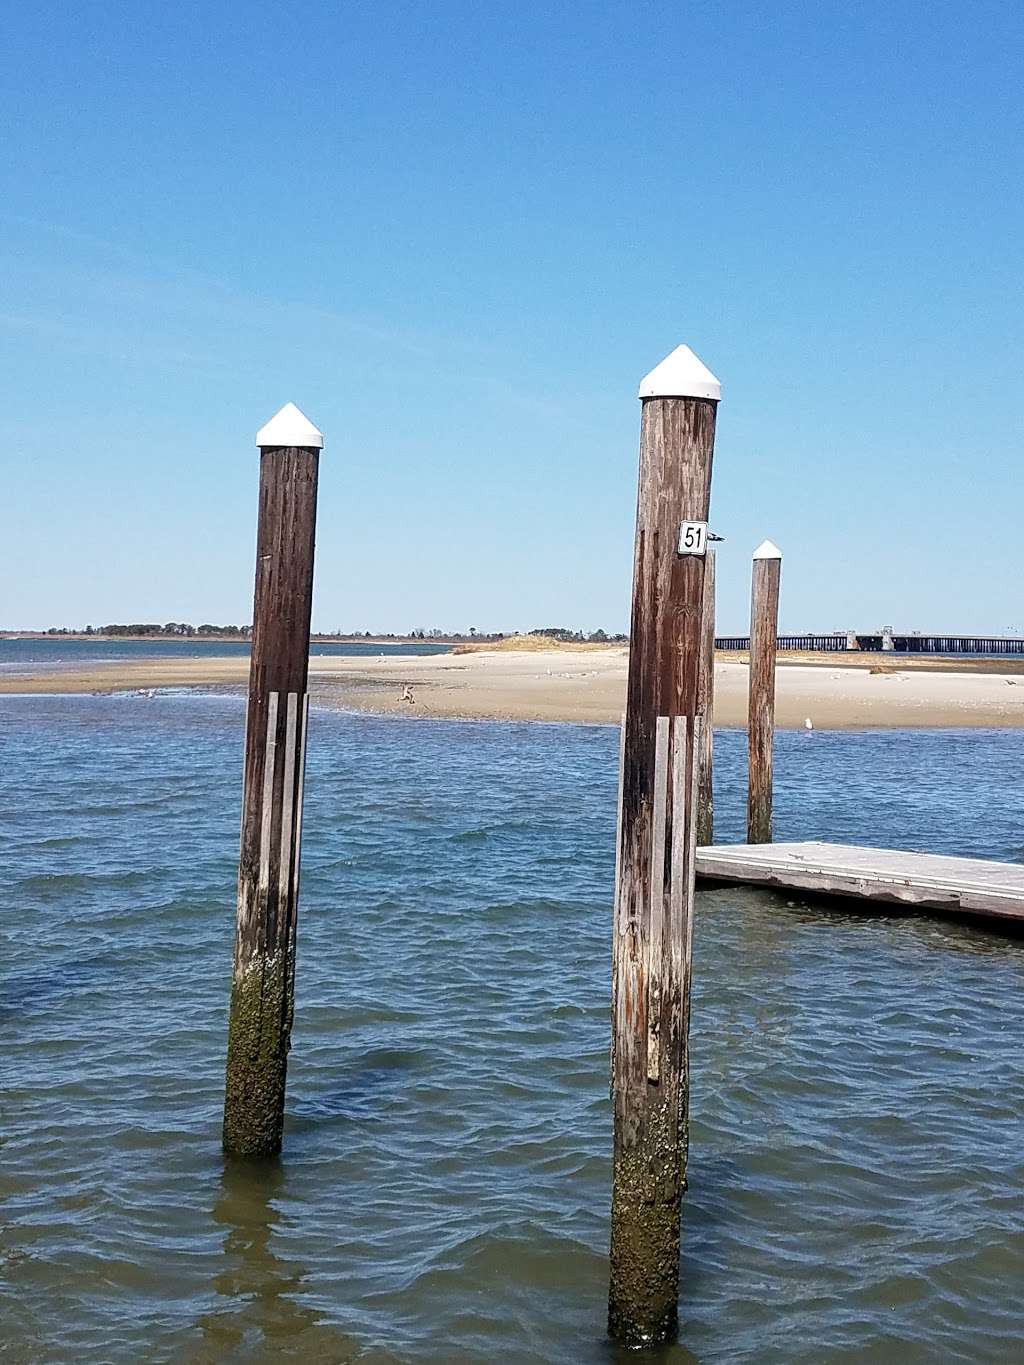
(857, 1156)
(54, 652)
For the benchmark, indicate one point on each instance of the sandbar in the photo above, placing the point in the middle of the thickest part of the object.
(588, 686)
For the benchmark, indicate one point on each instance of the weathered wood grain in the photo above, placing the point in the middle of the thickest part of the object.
(263, 981)
(764, 623)
(655, 878)
(924, 881)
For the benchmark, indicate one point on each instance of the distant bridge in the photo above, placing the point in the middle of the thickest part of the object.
(843, 642)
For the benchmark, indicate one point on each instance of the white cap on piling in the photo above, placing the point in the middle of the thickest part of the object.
(290, 427)
(767, 550)
(680, 375)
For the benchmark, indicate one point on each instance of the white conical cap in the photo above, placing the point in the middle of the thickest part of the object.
(767, 550)
(290, 427)
(680, 375)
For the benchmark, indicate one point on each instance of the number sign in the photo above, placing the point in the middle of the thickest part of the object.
(693, 538)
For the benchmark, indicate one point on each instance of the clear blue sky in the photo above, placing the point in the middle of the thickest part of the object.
(457, 235)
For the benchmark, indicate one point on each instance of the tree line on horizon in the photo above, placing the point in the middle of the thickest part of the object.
(184, 630)
(177, 629)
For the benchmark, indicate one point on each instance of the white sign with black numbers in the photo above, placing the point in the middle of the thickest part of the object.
(693, 538)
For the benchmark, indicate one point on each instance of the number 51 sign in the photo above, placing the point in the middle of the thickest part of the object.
(693, 538)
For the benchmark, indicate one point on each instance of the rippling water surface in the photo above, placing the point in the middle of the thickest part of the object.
(858, 1153)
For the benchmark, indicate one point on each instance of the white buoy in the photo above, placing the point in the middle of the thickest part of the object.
(808, 724)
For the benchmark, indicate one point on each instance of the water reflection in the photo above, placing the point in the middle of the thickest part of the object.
(263, 1316)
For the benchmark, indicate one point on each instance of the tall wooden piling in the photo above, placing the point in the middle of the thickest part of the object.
(263, 982)
(706, 707)
(764, 634)
(656, 846)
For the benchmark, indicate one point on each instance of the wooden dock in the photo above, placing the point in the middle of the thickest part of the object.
(924, 881)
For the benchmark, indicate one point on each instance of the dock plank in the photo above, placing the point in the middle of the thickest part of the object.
(924, 880)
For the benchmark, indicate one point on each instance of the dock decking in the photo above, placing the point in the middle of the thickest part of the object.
(919, 880)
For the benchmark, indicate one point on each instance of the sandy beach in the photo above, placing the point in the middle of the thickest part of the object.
(589, 686)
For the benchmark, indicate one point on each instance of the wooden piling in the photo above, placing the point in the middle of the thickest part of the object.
(764, 634)
(706, 707)
(657, 840)
(263, 981)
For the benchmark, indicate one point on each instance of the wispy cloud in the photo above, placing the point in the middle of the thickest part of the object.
(115, 303)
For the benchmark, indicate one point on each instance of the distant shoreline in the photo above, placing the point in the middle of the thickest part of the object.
(98, 637)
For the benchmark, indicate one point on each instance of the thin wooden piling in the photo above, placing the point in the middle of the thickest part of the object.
(706, 708)
(263, 981)
(764, 634)
(656, 847)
